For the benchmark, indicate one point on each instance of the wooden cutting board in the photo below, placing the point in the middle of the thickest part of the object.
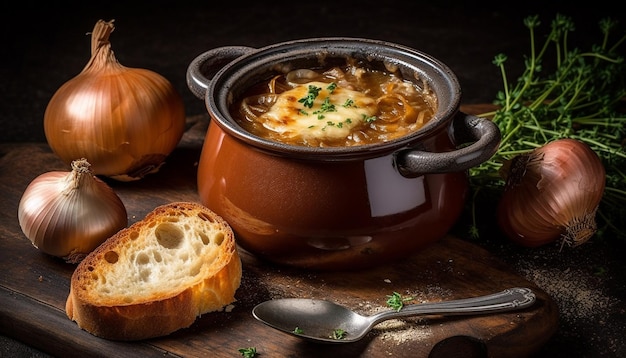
(34, 286)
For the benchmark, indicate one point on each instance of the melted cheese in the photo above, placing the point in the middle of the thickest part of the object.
(290, 118)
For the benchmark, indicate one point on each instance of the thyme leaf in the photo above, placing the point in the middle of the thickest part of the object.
(248, 352)
(338, 334)
(396, 301)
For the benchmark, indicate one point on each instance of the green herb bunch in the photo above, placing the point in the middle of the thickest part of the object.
(582, 98)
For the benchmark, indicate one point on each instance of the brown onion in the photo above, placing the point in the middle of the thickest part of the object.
(125, 120)
(69, 214)
(552, 192)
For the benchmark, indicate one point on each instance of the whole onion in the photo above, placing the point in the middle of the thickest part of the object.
(69, 214)
(552, 193)
(125, 120)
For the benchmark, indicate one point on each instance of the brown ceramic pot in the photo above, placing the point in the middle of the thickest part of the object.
(335, 208)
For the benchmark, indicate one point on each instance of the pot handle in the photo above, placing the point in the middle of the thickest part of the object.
(465, 128)
(202, 69)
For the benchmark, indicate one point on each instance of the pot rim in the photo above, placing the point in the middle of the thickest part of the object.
(424, 68)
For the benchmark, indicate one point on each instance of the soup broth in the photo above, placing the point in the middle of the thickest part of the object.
(339, 106)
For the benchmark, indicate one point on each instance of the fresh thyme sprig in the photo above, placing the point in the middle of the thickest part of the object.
(583, 98)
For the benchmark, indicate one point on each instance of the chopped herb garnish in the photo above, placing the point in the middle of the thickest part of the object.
(325, 108)
(298, 330)
(338, 334)
(396, 301)
(369, 119)
(248, 352)
(335, 124)
(310, 97)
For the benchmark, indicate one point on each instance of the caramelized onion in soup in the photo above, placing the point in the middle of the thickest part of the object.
(334, 107)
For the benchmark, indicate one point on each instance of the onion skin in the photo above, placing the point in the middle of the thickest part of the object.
(69, 214)
(126, 121)
(552, 193)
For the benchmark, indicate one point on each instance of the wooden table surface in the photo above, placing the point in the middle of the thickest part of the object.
(34, 286)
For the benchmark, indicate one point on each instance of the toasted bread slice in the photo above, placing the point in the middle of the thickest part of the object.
(157, 276)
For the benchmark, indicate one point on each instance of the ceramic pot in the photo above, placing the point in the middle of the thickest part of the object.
(335, 208)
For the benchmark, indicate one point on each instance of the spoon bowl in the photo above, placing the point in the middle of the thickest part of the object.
(328, 322)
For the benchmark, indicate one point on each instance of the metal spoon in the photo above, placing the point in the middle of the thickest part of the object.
(325, 321)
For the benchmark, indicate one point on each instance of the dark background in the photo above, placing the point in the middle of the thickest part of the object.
(43, 45)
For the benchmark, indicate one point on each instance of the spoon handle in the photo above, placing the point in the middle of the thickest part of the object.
(507, 300)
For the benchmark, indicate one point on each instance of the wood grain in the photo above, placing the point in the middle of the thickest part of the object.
(34, 286)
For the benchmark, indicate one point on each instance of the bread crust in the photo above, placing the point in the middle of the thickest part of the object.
(154, 312)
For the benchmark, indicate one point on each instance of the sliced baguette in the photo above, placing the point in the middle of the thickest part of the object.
(157, 276)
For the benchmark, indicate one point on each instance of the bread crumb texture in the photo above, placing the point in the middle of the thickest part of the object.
(176, 250)
(180, 254)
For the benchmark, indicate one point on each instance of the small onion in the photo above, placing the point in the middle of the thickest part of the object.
(552, 192)
(69, 214)
(125, 120)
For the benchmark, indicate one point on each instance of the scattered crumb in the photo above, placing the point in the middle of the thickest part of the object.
(400, 331)
(578, 297)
